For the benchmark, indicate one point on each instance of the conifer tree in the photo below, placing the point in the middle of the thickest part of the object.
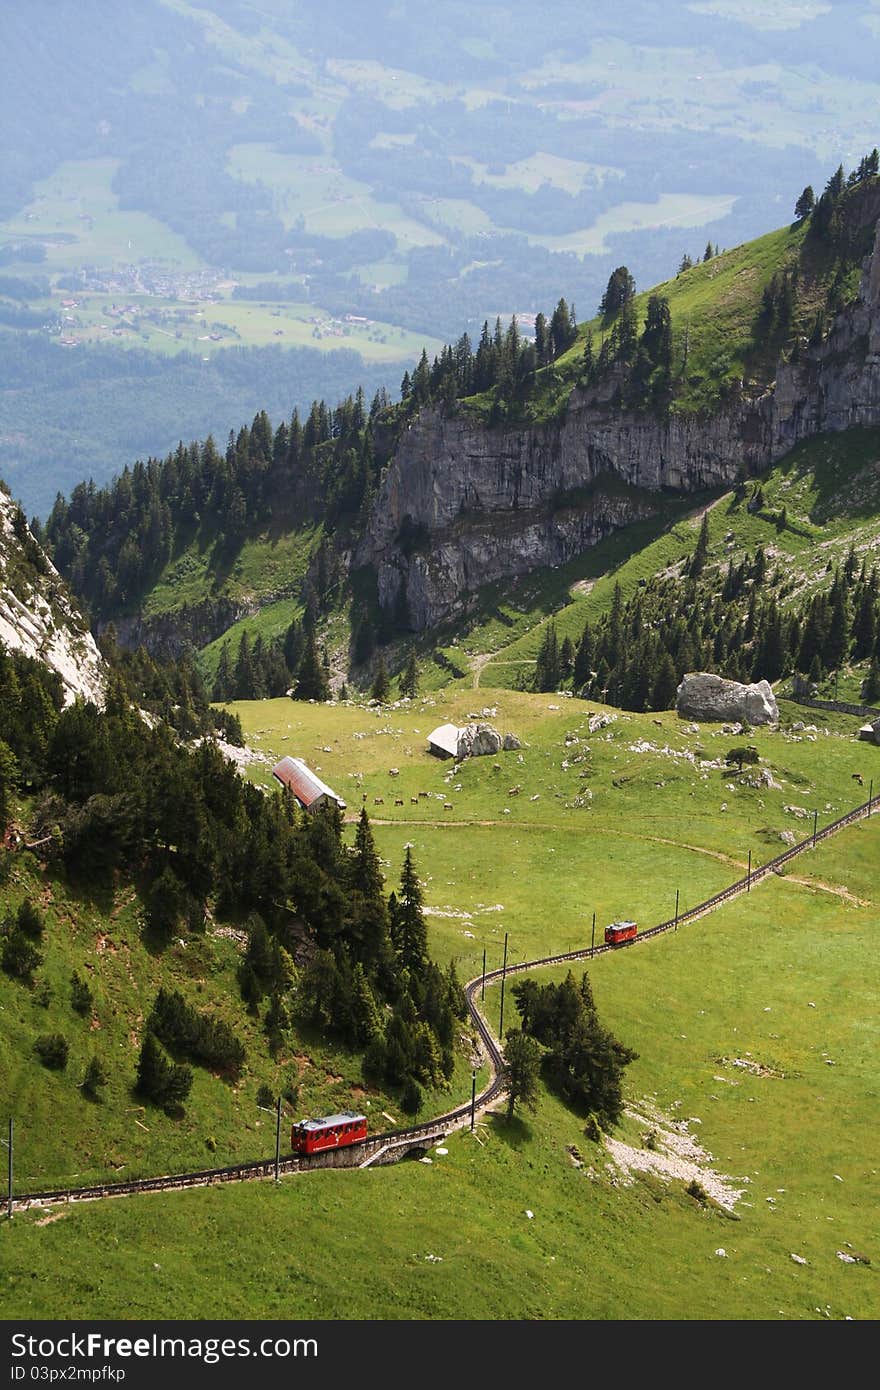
(411, 932)
(311, 678)
(381, 687)
(408, 681)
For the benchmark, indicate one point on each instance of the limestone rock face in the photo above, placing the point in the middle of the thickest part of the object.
(38, 617)
(462, 504)
(704, 696)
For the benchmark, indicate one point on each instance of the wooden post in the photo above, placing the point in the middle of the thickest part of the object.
(483, 985)
(277, 1138)
(676, 909)
(593, 936)
(749, 874)
(473, 1099)
(815, 822)
(503, 978)
(9, 1146)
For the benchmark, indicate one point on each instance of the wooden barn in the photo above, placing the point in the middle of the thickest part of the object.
(307, 788)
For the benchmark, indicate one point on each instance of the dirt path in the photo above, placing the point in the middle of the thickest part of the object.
(484, 659)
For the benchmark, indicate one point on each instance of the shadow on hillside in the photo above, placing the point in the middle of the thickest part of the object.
(515, 1132)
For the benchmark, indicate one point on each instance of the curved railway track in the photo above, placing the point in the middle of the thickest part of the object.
(451, 1119)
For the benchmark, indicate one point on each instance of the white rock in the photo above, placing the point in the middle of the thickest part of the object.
(703, 695)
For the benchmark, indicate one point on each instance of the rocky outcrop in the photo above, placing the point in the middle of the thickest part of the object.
(471, 741)
(461, 505)
(37, 615)
(184, 629)
(702, 695)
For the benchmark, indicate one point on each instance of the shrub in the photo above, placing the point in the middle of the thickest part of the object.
(411, 1099)
(30, 920)
(94, 1079)
(265, 1098)
(593, 1129)
(696, 1190)
(52, 1050)
(80, 994)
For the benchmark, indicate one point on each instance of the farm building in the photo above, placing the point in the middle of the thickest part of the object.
(443, 742)
(307, 788)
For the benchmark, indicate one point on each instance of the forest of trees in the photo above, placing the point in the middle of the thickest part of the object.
(581, 1059)
(110, 796)
(734, 622)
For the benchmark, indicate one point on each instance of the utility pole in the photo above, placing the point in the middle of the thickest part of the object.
(473, 1099)
(815, 822)
(9, 1144)
(676, 910)
(503, 978)
(593, 936)
(870, 794)
(483, 985)
(277, 1138)
(749, 874)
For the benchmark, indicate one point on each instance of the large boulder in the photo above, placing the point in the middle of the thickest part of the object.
(478, 740)
(702, 695)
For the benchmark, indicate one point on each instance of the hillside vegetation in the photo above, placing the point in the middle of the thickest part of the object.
(744, 1045)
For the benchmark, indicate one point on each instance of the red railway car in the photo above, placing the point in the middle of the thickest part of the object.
(620, 931)
(328, 1132)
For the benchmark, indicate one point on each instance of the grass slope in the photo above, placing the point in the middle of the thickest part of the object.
(453, 1239)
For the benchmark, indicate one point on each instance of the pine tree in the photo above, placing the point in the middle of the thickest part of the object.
(521, 1070)
(547, 667)
(381, 687)
(698, 559)
(95, 1079)
(805, 203)
(408, 681)
(311, 678)
(411, 932)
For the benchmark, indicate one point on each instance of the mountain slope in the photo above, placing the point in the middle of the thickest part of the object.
(37, 615)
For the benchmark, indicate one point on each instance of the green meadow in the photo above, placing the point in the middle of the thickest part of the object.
(757, 1038)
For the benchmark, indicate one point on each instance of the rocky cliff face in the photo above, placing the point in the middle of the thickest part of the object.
(462, 505)
(38, 617)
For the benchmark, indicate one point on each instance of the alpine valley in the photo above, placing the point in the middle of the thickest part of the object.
(544, 534)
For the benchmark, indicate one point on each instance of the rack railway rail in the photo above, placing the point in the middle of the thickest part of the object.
(397, 1142)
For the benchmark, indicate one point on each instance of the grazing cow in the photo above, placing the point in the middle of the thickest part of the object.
(424, 793)
(378, 801)
(447, 806)
(857, 777)
(398, 801)
(513, 791)
(414, 801)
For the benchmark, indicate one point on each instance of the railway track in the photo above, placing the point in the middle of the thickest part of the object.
(461, 1115)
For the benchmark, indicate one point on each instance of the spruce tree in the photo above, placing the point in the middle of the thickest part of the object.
(381, 687)
(311, 678)
(408, 681)
(412, 934)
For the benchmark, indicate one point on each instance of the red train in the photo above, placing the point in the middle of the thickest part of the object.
(328, 1132)
(620, 931)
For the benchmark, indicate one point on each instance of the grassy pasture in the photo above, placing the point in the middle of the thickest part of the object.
(738, 985)
(685, 210)
(77, 215)
(329, 202)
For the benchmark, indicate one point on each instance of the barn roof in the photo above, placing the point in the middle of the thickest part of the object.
(445, 737)
(306, 785)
